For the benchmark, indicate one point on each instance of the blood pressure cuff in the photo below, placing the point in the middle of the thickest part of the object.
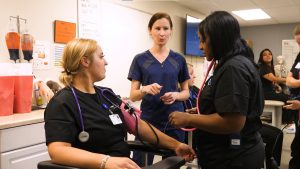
(131, 116)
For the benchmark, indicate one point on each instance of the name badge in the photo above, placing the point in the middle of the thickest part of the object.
(235, 142)
(115, 119)
(298, 65)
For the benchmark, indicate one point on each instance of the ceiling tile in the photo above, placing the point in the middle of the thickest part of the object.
(232, 5)
(273, 3)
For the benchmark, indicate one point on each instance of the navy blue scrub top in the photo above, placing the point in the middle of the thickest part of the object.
(146, 69)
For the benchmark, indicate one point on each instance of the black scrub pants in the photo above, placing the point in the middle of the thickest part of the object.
(273, 138)
(253, 158)
(295, 151)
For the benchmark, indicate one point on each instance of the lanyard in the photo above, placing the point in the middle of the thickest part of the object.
(79, 109)
(200, 90)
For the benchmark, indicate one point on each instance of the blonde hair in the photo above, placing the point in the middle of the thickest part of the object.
(297, 30)
(74, 51)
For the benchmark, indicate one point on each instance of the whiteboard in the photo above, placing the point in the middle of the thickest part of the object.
(290, 50)
(122, 34)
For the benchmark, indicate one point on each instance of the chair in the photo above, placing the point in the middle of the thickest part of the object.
(168, 163)
(173, 162)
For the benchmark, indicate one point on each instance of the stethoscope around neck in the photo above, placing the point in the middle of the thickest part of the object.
(84, 135)
(199, 93)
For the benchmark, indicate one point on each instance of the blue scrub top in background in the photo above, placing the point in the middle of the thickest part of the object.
(146, 69)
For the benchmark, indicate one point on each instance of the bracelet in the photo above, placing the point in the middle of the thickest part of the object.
(103, 161)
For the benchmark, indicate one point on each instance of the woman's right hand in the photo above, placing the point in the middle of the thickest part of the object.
(152, 89)
(120, 163)
(292, 104)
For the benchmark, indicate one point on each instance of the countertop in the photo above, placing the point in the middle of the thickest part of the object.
(21, 119)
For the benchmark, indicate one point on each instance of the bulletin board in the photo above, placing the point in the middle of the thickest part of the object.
(290, 50)
(121, 32)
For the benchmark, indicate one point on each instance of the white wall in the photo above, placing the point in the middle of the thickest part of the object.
(40, 16)
(268, 36)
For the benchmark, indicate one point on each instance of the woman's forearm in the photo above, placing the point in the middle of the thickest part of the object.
(148, 135)
(214, 123)
(292, 82)
(183, 95)
(281, 80)
(70, 156)
(137, 95)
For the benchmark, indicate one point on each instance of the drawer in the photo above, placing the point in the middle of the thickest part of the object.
(25, 158)
(22, 136)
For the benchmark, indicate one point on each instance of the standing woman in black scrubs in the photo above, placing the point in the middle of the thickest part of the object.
(293, 81)
(231, 102)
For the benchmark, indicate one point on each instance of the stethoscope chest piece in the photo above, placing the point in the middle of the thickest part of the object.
(83, 136)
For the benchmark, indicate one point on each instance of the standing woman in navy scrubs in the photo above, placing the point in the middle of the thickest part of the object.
(227, 134)
(154, 76)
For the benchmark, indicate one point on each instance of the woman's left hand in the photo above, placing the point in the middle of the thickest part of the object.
(179, 119)
(169, 98)
(185, 152)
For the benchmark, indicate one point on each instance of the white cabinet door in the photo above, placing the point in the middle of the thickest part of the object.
(25, 158)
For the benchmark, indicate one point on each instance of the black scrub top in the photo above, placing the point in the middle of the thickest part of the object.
(295, 92)
(266, 84)
(62, 123)
(235, 87)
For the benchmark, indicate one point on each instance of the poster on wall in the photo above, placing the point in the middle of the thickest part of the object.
(290, 50)
(58, 52)
(64, 31)
(41, 55)
(89, 19)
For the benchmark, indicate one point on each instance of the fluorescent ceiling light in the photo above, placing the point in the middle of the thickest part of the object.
(192, 19)
(252, 14)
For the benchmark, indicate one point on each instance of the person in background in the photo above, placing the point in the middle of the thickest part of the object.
(194, 90)
(54, 86)
(81, 128)
(41, 93)
(270, 82)
(230, 105)
(155, 75)
(293, 81)
(273, 138)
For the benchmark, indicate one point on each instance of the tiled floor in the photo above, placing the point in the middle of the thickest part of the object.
(286, 151)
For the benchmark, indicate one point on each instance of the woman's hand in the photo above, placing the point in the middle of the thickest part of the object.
(120, 163)
(179, 119)
(192, 111)
(152, 89)
(45, 91)
(292, 104)
(185, 152)
(170, 97)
